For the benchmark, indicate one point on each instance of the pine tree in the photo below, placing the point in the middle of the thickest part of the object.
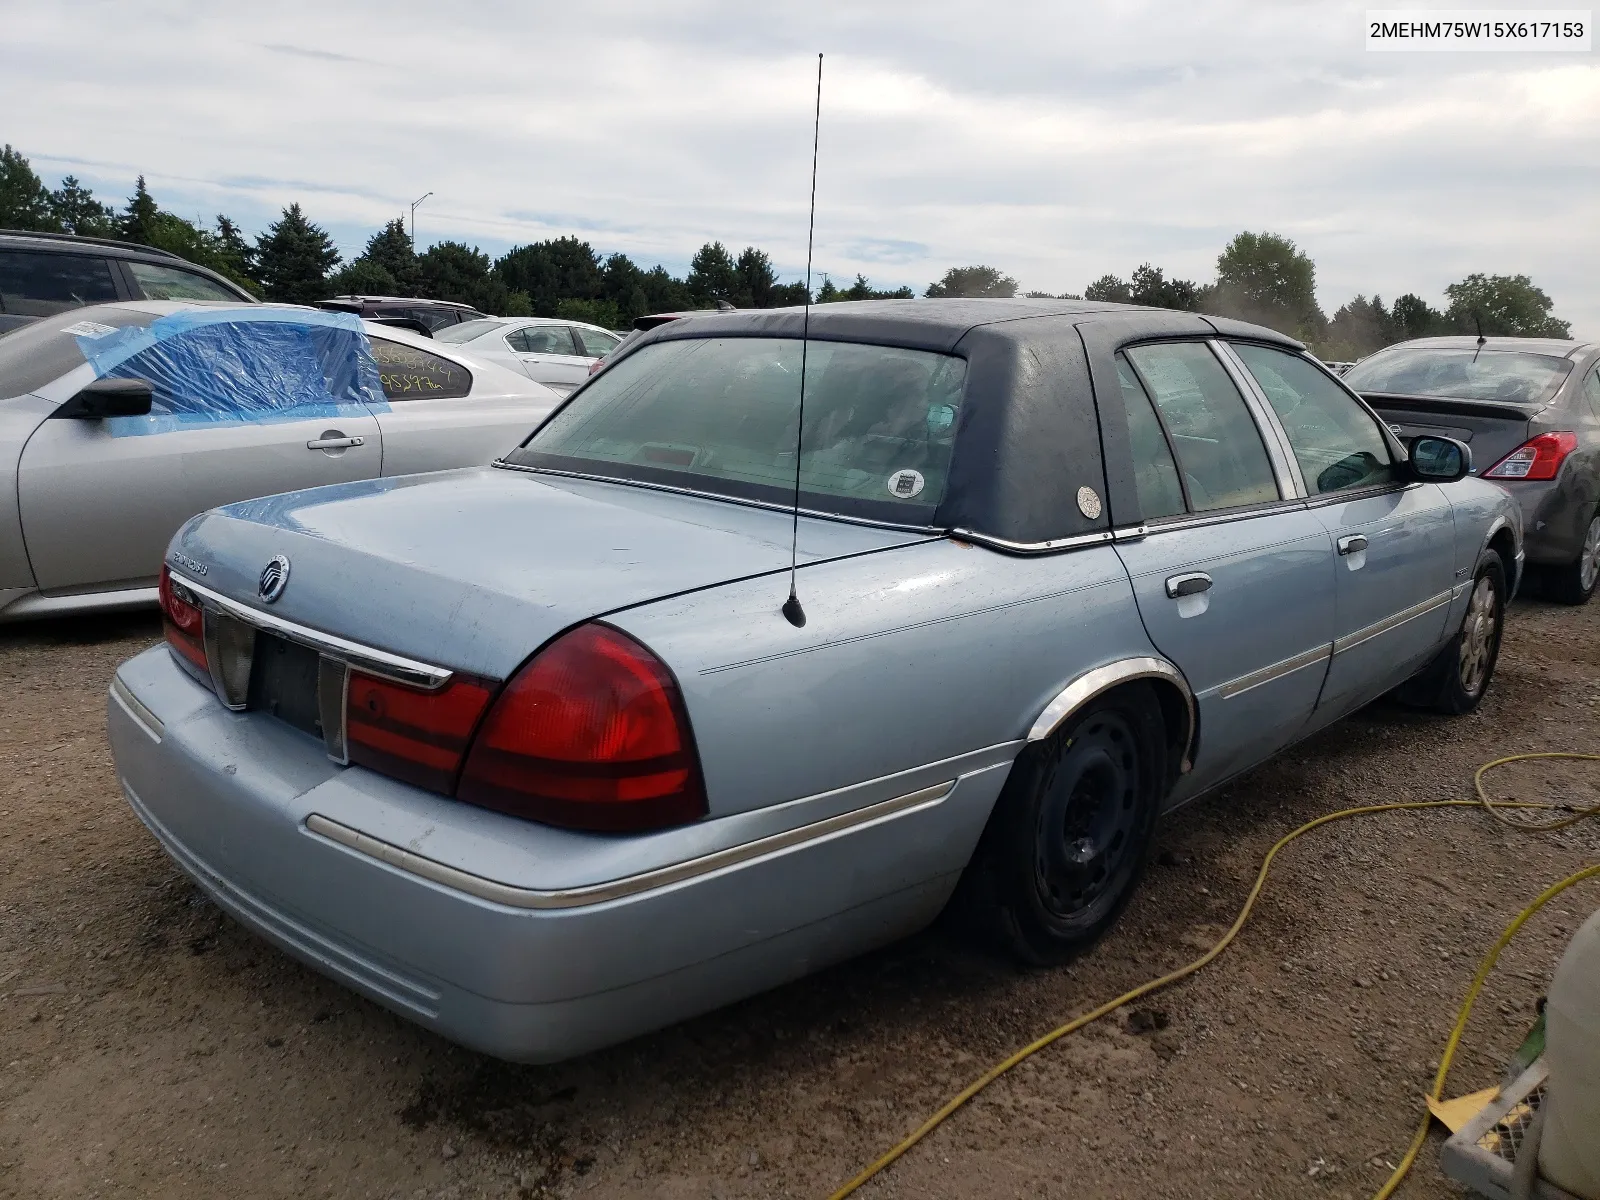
(140, 220)
(713, 275)
(293, 258)
(24, 202)
(390, 249)
(79, 212)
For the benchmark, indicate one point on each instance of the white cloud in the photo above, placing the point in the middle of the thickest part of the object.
(1057, 141)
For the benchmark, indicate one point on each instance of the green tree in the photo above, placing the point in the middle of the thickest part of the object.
(1109, 289)
(77, 211)
(235, 256)
(390, 250)
(362, 277)
(664, 293)
(1151, 287)
(829, 291)
(24, 202)
(592, 312)
(138, 222)
(1266, 278)
(456, 271)
(1506, 305)
(1359, 328)
(293, 258)
(1414, 317)
(564, 268)
(713, 275)
(976, 281)
(862, 289)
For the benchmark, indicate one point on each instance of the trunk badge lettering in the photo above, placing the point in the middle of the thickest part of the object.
(274, 578)
(188, 564)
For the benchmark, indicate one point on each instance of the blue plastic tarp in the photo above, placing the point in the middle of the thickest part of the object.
(241, 366)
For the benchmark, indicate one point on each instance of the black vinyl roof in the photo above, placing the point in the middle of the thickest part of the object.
(1030, 433)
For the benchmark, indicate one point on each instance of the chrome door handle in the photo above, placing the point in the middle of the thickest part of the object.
(1188, 585)
(335, 443)
(1355, 543)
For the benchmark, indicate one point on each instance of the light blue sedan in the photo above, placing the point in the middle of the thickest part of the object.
(538, 755)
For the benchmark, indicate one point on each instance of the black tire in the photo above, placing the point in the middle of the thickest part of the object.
(1456, 680)
(1575, 582)
(1069, 837)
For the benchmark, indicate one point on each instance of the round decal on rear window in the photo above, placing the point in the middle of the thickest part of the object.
(903, 485)
(1088, 502)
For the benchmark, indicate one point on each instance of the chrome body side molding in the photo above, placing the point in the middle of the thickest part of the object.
(1393, 621)
(1277, 670)
(631, 885)
(1048, 547)
(1102, 679)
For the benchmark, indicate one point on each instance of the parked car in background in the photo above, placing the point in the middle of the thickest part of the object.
(42, 274)
(119, 422)
(1530, 410)
(538, 755)
(558, 354)
(433, 315)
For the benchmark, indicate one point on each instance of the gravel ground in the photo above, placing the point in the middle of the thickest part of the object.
(150, 1046)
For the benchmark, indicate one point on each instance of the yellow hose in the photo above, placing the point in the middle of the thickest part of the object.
(1496, 808)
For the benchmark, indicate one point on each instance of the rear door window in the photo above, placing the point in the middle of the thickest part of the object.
(34, 284)
(594, 343)
(1219, 448)
(174, 283)
(1337, 445)
(408, 373)
(1155, 473)
(542, 339)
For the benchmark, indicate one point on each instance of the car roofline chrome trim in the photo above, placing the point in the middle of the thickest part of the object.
(1367, 632)
(1102, 679)
(367, 659)
(152, 725)
(1275, 671)
(931, 531)
(630, 885)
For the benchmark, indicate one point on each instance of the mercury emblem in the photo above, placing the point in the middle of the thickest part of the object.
(274, 578)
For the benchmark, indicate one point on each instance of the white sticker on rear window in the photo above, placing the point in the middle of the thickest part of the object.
(88, 329)
(903, 485)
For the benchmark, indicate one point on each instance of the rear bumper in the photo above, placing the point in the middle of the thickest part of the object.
(333, 865)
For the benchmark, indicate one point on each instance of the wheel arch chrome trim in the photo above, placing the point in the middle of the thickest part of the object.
(1102, 679)
(513, 896)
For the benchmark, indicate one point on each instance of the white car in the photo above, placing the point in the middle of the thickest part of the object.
(119, 422)
(558, 354)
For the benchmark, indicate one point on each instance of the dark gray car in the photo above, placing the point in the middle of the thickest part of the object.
(1530, 410)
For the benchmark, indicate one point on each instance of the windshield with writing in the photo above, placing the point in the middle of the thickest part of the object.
(1504, 375)
(719, 415)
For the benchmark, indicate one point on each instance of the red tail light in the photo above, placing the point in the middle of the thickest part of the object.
(1538, 458)
(596, 365)
(409, 734)
(182, 620)
(591, 734)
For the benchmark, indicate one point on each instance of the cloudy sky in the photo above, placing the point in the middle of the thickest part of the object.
(1057, 141)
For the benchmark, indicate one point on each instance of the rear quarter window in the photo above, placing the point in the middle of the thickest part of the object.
(408, 373)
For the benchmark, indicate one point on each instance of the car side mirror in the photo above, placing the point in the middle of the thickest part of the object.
(109, 398)
(1440, 459)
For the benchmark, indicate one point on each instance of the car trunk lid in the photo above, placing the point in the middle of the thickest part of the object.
(1492, 430)
(474, 570)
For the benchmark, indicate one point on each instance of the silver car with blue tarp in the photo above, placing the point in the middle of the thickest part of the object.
(541, 756)
(120, 422)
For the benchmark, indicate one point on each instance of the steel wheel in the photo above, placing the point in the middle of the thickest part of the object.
(1087, 816)
(1478, 634)
(1589, 560)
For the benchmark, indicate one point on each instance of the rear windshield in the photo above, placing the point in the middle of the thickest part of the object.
(719, 415)
(465, 331)
(36, 354)
(1504, 375)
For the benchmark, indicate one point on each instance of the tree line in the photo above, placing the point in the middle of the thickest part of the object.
(1260, 277)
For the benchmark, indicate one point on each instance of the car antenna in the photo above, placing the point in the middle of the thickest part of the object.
(1478, 321)
(792, 610)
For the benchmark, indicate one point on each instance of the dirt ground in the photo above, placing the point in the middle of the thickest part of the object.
(151, 1047)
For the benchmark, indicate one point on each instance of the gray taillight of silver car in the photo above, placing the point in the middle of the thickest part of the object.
(530, 754)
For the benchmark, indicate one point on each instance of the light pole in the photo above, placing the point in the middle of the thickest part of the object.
(414, 204)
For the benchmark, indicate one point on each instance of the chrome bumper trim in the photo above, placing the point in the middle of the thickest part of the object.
(1237, 687)
(1351, 640)
(142, 716)
(631, 885)
(367, 659)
